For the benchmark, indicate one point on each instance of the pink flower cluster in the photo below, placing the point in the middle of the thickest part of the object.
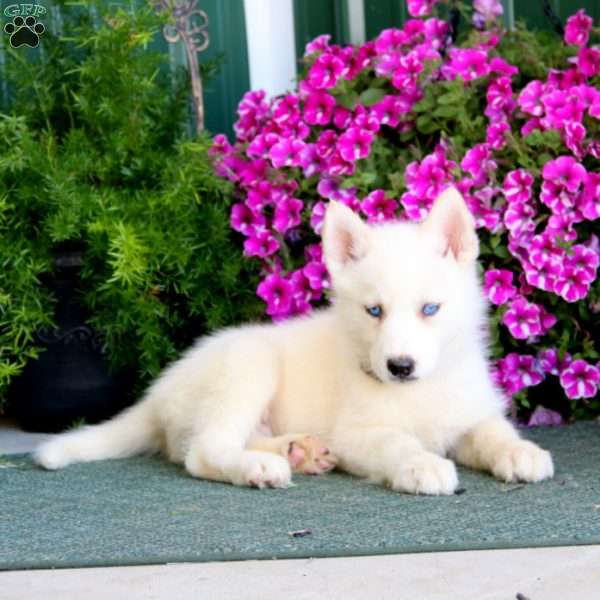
(579, 378)
(296, 152)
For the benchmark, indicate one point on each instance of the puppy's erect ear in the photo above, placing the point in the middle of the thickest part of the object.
(452, 224)
(345, 237)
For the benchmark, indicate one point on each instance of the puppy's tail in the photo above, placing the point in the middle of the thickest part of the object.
(131, 432)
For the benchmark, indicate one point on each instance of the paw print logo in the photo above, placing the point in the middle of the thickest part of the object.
(24, 32)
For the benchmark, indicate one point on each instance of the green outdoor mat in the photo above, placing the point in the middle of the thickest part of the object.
(147, 511)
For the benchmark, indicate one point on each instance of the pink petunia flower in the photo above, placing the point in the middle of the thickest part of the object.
(561, 225)
(590, 198)
(311, 161)
(585, 260)
(220, 145)
(427, 178)
(261, 145)
(317, 216)
(365, 119)
(416, 208)
(530, 98)
(531, 125)
(313, 252)
(318, 108)
(573, 136)
(543, 251)
(562, 106)
(478, 163)
(518, 371)
(337, 166)
(501, 67)
(287, 214)
(390, 109)
(565, 172)
(302, 290)
(518, 186)
(378, 207)
(580, 380)
(572, 285)
(326, 71)
(523, 319)
(577, 30)
(405, 74)
(496, 135)
(542, 276)
(467, 63)
(420, 8)
(245, 220)
(550, 361)
(317, 275)
(261, 195)
(286, 110)
(277, 292)
(518, 218)
(588, 61)
(498, 286)
(499, 94)
(488, 9)
(262, 244)
(287, 153)
(355, 144)
(319, 44)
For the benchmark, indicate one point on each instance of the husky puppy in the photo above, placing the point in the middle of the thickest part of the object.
(390, 382)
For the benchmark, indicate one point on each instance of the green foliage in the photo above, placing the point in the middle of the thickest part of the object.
(93, 151)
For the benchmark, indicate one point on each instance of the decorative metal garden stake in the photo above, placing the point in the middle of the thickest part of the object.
(191, 27)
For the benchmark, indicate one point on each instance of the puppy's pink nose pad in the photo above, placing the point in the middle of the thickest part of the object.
(402, 367)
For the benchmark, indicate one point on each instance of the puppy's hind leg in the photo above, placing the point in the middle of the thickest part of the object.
(218, 446)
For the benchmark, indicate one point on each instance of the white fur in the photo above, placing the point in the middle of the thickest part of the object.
(327, 375)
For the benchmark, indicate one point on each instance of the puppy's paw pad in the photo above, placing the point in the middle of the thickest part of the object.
(426, 474)
(310, 456)
(523, 461)
(265, 470)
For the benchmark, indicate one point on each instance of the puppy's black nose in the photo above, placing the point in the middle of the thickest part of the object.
(401, 367)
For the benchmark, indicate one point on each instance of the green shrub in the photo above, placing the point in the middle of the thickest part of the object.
(93, 151)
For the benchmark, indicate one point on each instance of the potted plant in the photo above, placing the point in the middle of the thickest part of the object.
(114, 237)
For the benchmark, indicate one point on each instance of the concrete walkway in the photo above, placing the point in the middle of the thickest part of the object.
(536, 574)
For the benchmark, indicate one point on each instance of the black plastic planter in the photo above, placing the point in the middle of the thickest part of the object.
(70, 381)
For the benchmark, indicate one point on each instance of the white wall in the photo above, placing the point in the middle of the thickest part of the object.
(356, 12)
(271, 45)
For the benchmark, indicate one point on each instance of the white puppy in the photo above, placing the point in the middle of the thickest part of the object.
(388, 381)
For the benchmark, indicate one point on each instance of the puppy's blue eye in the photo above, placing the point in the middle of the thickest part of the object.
(375, 310)
(430, 309)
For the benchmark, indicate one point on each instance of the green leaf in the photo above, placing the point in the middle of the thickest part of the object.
(348, 100)
(501, 252)
(371, 96)
(426, 125)
(446, 111)
(449, 98)
(424, 105)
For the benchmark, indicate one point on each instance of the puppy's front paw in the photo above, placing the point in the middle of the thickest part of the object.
(310, 456)
(51, 455)
(522, 461)
(261, 470)
(426, 473)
